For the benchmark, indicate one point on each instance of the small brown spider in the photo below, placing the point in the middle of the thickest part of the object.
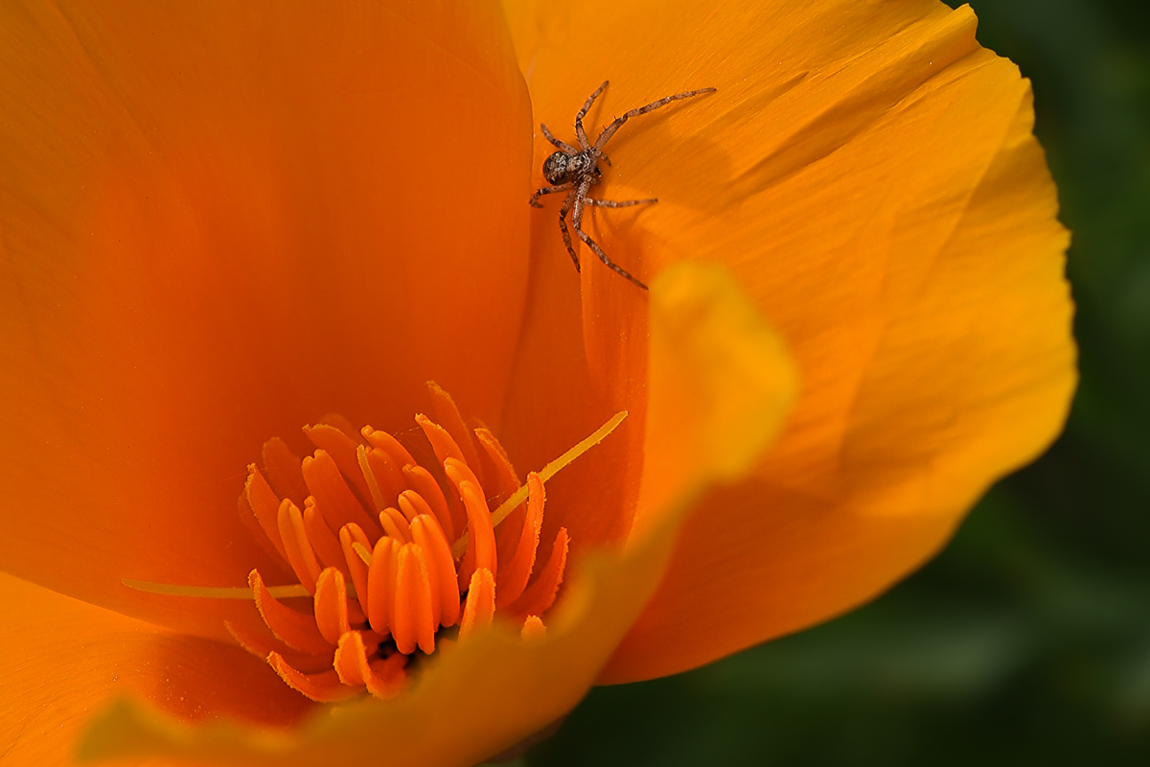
(578, 169)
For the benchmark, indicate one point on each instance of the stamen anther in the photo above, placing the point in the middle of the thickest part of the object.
(381, 584)
(480, 607)
(411, 621)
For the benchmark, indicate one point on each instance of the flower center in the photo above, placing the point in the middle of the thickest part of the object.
(395, 551)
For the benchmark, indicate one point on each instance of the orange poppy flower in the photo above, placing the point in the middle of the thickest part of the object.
(220, 222)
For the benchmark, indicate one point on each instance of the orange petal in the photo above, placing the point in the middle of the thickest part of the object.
(292, 211)
(554, 384)
(50, 689)
(880, 189)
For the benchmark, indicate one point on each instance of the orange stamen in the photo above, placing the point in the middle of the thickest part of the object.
(387, 677)
(505, 473)
(323, 687)
(425, 531)
(349, 535)
(447, 415)
(374, 492)
(457, 471)
(481, 533)
(387, 474)
(514, 574)
(342, 450)
(441, 441)
(407, 584)
(507, 482)
(299, 552)
(283, 470)
(330, 605)
(390, 445)
(332, 495)
(322, 539)
(411, 619)
(384, 678)
(541, 594)
(294, 629)
(533, 629)
(265, 506)
(466, 566)
(381, 584)
(395, 524)
(429, 490)
(260, 645)
(412, 505)
(421, 481)
(345, 662)
(480, 607)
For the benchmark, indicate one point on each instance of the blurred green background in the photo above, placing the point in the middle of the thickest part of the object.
(1027, 642)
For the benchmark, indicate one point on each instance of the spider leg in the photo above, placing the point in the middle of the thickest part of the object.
(577, 222)
(534, 201)
(618, 203)
(571, 196)
(609, 131)
(560, 144)
(579, 132)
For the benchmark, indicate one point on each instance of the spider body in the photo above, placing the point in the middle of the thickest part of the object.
(576, 169)
(560, 167)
